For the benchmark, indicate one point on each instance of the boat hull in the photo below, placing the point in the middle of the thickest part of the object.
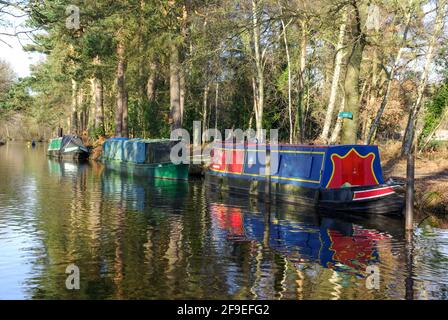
(72, 155)
(325, 200)
(160, 171)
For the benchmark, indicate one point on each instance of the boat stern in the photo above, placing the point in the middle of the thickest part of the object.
(352, 181)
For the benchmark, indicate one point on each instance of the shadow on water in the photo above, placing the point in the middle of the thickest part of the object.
(137, 238)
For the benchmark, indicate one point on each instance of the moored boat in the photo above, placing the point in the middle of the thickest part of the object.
(143, 157)
(68, 147)
(335, 178)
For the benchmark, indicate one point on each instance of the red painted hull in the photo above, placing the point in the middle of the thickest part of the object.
(379, 199)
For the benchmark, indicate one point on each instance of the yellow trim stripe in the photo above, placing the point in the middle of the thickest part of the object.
(274, 177)
(296, 179)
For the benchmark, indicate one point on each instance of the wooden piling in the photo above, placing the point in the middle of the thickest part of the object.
(267, 171)
(410, 173)
(409, 263)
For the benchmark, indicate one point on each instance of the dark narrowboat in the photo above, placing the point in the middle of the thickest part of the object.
(335, 178)
(67, 147)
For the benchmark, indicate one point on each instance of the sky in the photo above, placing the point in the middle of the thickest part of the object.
(19, 59)
(12, 51)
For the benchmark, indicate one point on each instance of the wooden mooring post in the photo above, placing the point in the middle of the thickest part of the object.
(267, 172)
(410, 190)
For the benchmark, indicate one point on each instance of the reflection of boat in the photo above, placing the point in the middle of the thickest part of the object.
(67, 147)
(146, 158)
(229, 219)
(331, 243)
(141, 194)
(345, 178)
(63, 168)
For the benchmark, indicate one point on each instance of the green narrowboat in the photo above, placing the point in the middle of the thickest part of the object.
(68, 147)
(143, 157)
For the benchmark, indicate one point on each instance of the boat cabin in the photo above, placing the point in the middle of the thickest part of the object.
(311, 166)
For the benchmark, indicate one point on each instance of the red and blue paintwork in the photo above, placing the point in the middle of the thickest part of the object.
(349, 247)
(352, 164)
(310, 166)
(339, 173)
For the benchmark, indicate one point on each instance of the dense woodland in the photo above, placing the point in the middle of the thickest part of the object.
(142, 68)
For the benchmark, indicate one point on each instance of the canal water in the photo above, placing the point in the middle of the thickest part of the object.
(137, 239)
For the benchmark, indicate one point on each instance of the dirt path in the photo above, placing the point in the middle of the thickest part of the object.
(431, 177)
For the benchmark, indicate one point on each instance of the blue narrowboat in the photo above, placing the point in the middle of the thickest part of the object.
(341, 178)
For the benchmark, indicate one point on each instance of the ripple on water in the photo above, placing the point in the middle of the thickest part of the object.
(137, 238)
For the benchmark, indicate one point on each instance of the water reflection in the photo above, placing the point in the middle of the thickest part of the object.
(134, 238)
(313, 247)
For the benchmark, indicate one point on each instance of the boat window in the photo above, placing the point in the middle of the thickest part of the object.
(253, 163)
(296, 165)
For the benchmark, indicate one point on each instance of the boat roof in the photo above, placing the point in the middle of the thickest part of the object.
(287, 145)
(142, 140)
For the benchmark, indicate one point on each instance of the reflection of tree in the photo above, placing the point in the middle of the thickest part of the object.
(137, 239)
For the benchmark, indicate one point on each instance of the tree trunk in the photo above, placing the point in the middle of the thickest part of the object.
(373, 91)
(182, 95)
(175, 94)
(204, 110)
(121, 91)
(216, 104)
(74, 117)
(86, 114)
(335, 80)
(351, 84)
(99, 106)
(82, 121)
(412, 119)
(259, 87)
(299, 134)
(125, 129)
(81, 111)
(92, 111)
(338, 126)
(288, 60)
(150, 85)
(390, 78)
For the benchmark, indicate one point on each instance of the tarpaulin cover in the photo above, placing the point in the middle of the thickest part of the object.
(138, 151)
(113, 149)
(67, 143)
